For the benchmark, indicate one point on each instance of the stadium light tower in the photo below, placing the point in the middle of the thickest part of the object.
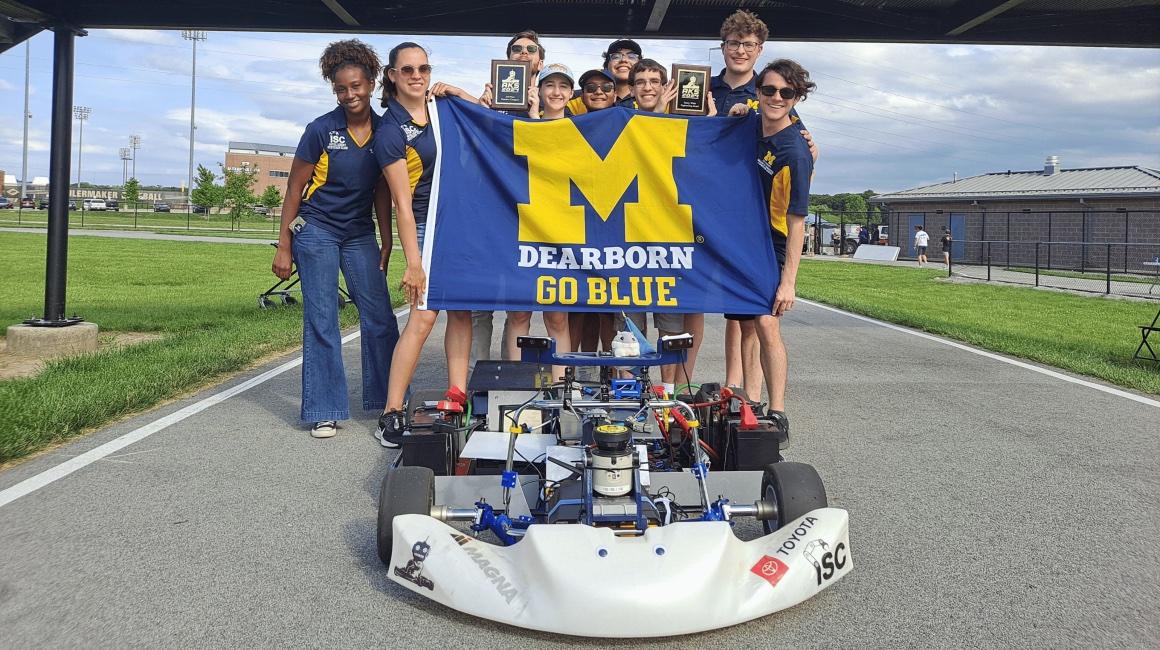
(194, 35)
(81, 113)
(27, 116)
(126, 155)
(134, 144)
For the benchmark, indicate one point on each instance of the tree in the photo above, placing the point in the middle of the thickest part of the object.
(271, 198)
(239, 190)
(131, 192)
(206, 191)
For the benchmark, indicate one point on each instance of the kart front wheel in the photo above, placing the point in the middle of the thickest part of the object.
(795, 488)
(406, 490)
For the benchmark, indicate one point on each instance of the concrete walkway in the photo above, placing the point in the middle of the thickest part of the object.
(991, 505)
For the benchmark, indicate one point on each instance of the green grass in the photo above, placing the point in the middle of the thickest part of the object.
(1089, 275)
(201, 297)
(1093, 336)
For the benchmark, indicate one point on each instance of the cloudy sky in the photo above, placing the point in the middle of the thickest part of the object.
(886, 117)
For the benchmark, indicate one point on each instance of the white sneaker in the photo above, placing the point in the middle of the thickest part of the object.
(324, 429)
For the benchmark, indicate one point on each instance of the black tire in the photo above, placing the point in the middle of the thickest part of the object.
(795, 488)
(405, 491)
(264, 302)
(289, 300)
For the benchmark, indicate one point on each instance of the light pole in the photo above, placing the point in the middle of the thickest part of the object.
(134, 144)
(126, 154)
(194, 35)
(81, 113)
(27, 116)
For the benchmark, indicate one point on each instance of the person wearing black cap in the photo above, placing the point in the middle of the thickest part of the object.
(619, 59)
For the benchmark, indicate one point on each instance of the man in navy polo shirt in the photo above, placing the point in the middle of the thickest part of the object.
(734, 91)
(619, 59)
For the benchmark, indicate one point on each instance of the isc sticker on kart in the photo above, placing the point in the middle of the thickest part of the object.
(771, 569)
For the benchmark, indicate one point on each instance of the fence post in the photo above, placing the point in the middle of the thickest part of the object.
(1108, 276)
(950, 258)
(1037, 263)
(988, 261)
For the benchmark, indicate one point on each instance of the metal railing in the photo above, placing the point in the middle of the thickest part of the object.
(1117, 268)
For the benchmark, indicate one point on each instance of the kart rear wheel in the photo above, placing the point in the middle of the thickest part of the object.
(795, 488)
(406, 490)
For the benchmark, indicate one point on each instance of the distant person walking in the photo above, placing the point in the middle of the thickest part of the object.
(921, 241)
(945, 242)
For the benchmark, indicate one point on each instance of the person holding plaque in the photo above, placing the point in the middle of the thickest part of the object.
(785, 167)
(405, 149)
(523, 46)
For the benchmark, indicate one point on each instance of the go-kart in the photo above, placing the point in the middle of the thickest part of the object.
(592, 512)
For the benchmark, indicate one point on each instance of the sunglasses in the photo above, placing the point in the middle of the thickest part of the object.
(409, 70)
(592, 87)
(786, 93)
(520, 49)
(631, 57)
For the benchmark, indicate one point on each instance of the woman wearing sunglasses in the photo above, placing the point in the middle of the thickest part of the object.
(785, 167)
(327, 226)
(405, 151)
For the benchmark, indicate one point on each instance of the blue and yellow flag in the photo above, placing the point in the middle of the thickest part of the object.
(615, 210)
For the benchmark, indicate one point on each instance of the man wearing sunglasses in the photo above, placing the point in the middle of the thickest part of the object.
(523, 46)
(619, 59)
(785, 167)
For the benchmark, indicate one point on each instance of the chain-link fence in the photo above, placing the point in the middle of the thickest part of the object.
(1126, 269)
(154, 215)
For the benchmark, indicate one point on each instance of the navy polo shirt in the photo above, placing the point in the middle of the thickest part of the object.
(785, 167)
(401, 138)
(341, 192)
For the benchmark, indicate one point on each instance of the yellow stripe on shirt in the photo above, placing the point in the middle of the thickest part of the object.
(779, 200)
(319, 179)
(414, 167)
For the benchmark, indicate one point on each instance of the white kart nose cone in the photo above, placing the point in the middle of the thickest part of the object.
(677, 579)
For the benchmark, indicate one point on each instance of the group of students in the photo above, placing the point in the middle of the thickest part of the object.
(351, 160)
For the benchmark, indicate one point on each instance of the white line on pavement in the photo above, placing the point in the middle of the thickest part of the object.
(30, 485)
(990, 355)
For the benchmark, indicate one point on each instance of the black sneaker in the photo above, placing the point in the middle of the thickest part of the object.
(390, 431)
(780, 420)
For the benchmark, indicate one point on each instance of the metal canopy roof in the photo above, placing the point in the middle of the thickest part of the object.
(1128, 23)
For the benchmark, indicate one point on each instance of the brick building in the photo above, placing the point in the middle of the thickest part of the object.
(271, 160)
(1092, 206)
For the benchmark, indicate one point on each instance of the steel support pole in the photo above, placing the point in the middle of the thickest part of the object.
(56, 263)
(24, 165)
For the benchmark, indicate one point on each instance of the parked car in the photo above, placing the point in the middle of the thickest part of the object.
(161, 206)
(5, 204)
(27, 203)
(95, 205)
(111, 204)
(42, 204)
(260, 209)
(200, 209)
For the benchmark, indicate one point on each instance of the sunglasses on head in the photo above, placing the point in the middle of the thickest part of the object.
(409, 70)
(520, 49)
(786, 93)
(593, 86)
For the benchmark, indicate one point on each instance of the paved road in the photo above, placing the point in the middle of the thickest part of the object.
(143, 234)
(991, 506)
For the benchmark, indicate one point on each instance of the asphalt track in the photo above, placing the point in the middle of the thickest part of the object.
(990, 506)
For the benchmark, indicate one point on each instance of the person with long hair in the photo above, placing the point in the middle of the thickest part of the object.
(327, 226)
(405, 150)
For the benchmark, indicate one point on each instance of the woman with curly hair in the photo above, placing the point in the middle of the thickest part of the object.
(327, 226)
(405, 151)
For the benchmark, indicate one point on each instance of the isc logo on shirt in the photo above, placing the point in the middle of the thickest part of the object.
(559, 156)
(337, 141)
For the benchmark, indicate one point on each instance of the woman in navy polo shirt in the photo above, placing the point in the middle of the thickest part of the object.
(405, 151)
(327, 225)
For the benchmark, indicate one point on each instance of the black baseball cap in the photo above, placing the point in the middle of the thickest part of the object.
(623, 44)
(595, 73)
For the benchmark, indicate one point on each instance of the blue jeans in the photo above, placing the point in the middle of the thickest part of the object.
(319, 254)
